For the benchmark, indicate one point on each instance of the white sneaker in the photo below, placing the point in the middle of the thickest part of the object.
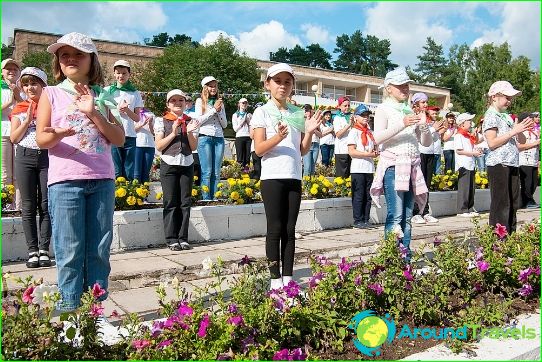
(417, 219)
(430, 219)
(465, 214)
(276, 284)
(473, 213)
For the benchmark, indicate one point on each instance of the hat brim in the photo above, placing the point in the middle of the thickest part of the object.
(54, 47)
(272, 74)
(511, 93)
(11, 61)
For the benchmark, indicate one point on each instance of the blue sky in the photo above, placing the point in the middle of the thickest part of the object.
(261, 27)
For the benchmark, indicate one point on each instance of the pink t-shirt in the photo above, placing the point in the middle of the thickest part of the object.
(83, 156)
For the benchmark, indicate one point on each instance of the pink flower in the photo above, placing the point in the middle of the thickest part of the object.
(115, 314)
(479, 253)
(97, 290)
(96, 310)
(407, 273)
(357, 280)
(509, 261)
(185, 310)
(437, 241)
(281, 355)
(524, 275)
(377, 288)
(27, 295)
(536, 270)
(203, 325)
(403, 250)
(298, 355)
(139, 344)
(500, 230)
(315, 279)
(164, 344)
(482, 265)
(526, 290)
(477, 286)
(236, 320)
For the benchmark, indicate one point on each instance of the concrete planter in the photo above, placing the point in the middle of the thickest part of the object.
(144, 228)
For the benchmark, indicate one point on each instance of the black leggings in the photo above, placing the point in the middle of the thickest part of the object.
(281, 200)
(242, 148)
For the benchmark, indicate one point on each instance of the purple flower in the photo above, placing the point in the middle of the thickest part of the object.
(377, 288)
(479, 253)
(407, 273)
(403, 250)
(232, 308)
(332, 301)
(236, 320)
(277, 298)
(248, 341)
(344, 267)
(170, 322)
(437, 241)
(357, 280)
(526, 290)
(281, 355)
(315, 279)
(322, 260)
(478, 287)
(157, 328)
(185, 310)
(536, 270)
(298, 355)
(245, 261)
(223, 357)
(203, 325)
(408, 286)
(139, 344)
(524, 275)
(482, 265)
(292, 289)
(164, 344)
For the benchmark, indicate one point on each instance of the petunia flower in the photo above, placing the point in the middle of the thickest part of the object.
(298, 355)
(281, 355)
(500, 230)
(27, 294)
(525, 290)
(403, 250)
(139, 344)
(315, 279)
(164, 344)
(524, 275)
(236, 320)
(43, 292)
(203, 325)
(482, 265)
(185, 310)
(96, 310)
(407, 273)
(97, 291)
(437, 241)
(375, 287)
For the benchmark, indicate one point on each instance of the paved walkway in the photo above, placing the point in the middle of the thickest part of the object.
(135, 274)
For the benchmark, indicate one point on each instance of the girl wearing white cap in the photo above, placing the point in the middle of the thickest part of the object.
(174, 138)
(31, 168)
(503, 136)
(398, 174)
(76, 124)
(241, 125)
(281, 136)
(212, 115)
(130, 104)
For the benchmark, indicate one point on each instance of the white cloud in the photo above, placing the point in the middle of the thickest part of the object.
(261, 40)
(520, 27)
(316, 34)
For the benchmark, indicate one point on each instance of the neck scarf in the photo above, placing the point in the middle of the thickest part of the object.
(402, 107)
(296, 117)
(241, 114)
(211, 101)
(365, 132)
(502, 115)
(467, 135)
(184, 119)
(22, 107)
(102, 99)
(4, 85)
(345, 115)
(127, 87)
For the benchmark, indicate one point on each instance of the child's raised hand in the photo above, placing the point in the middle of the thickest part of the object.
(192, 125)
(123, 106)
(282, 130)
(84, 100)
(314, 122)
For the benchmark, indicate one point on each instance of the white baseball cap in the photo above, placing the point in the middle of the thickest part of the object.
(503, 87)
(36, 72)
(279, 68)
(175, 92)
(397, 76)
(207, 79)
(242, 100)
(10, 61)
(121, 63)
(77, 40)
(464, 117)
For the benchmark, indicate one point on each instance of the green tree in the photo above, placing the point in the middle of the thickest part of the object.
(183, 66)
(376, 56)
(164, 40)
(318, 56)
(282, 55)
(42, 60)
(299, 56)
(311, 56)
(7, 51)
(430, 67)
(350, 50)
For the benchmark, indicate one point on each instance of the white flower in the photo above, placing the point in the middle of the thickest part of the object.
(42, 293)
(175, 282)
(207, 263)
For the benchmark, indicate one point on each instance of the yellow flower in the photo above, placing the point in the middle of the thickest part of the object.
(204, 188)
(195, 178)
(11, 189)
(484, 182)
(450, 183)
(321, 178)
(4, 195)
(339, 180)
(135, 182)
(324, 189)
(218, 194)
(141, 192)
(234, 195)
(146, 183)
(245, 175)
(314, 191)
(194, 192)
(120, 192)
(306, 178)
(257, 184)
(220, 185)
(139, 202)
(349, 193)
(249, 192)
(159, 196)
(449, 172)
(240, 202)
(231, 182)
(130, 200)
(121, 179)
(314, 186)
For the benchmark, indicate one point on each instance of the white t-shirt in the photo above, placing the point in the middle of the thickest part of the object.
(531, 156)
(328, 139)
(236, 120)
(134, 101)
(429, 150)
(284, 160)
(449, 145)
(179, 159)
(341, 143)
(29, 138)
(6, 123)
(364, 164)
(144, 135)
(463, 143)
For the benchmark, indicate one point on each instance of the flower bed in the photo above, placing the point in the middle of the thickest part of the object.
(463, 283)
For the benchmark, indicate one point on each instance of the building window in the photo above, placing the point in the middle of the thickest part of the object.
(376, 97)
(301, 88)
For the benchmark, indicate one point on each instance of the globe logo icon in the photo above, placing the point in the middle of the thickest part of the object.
(372, 332)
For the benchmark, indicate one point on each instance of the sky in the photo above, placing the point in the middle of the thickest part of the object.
(258, 28)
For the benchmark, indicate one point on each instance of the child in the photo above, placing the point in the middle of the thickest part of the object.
(281, 136)
(528, 163)
(341, 126)
(327, 141)
(190, 111)
(241, 123)
(448, 143)
(502, 136)
(210, 112)
(309, 160)
(465, 153)
(174, 138)
(362, 148)
(398, 131)
(130, 103)
(81, 175)
(31, 166)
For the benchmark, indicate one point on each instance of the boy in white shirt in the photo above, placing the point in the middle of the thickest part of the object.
(529, 159)
(465, 154)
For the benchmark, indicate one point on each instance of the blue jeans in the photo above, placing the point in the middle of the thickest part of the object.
(124, 158)
(82, 220)
(327, 154)
(211, 153)
(481, 161)
(438, 163)
(143, 162)
(309, 160)
(400, 205)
